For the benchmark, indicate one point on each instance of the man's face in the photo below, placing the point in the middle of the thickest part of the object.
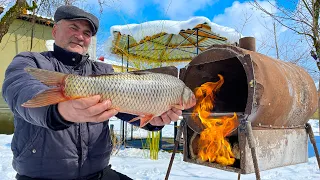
(72, 35)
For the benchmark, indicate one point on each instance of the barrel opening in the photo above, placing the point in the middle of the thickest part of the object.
(233, 94)
(231, 98)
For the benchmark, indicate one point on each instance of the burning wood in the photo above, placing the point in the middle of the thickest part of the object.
(213, 145)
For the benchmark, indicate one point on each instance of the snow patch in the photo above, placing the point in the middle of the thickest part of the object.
(139, 31)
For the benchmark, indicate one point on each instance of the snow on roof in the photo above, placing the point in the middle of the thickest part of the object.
(38, 15)
(139, 31)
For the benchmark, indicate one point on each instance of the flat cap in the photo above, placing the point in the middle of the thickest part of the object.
(74, 13)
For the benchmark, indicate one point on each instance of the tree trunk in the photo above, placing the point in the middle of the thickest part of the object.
(32, 28)
(315, 27)
(10, 16)
(316, 42)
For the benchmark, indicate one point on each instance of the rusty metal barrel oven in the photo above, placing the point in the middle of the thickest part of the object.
(276, 97)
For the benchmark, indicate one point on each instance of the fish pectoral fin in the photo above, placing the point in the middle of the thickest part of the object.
(145, 120)
(47, 97)
(135, 119)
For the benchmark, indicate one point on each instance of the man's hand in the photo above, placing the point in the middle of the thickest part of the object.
(166, 118)
(86, 110)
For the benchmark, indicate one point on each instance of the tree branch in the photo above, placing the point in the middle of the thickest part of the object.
(10, 16)
(307, 7)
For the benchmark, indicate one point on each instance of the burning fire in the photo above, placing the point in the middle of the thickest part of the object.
(213, 146)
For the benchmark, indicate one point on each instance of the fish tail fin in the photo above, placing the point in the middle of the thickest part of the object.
(49, 78)
(47, 97)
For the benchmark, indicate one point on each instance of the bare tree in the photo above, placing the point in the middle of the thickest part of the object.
(275, 39)
(304, 21)
(40, 7)
(269, 41)
(285, 47)
(48, 7)
(11, 15)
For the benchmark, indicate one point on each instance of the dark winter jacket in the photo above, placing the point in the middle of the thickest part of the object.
(44, 145)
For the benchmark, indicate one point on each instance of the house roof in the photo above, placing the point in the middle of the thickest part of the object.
(27, 16)
(169, 41)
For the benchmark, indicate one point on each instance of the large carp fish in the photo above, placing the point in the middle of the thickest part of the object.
(145, 94)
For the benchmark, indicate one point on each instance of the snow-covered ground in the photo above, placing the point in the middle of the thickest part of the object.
(136, 164)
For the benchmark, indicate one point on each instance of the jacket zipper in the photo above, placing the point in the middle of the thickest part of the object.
(79, 148)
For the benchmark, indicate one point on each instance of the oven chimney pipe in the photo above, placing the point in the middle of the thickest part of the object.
(248, 43)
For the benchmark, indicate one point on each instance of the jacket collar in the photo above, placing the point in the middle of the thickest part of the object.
(68, 57)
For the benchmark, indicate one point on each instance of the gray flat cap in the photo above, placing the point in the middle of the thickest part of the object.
(73, 13)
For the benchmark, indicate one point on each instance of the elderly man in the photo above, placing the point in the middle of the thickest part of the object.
(68, 140)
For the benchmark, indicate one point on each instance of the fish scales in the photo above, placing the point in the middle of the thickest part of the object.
(144, 93)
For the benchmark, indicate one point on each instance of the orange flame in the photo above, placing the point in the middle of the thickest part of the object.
(213, 146)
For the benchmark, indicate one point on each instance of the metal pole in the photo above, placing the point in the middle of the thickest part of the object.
(124, 127)
(125, 134)
(313, 142)
(197, 41)
(239, 176)
(160, 142)
(122, 134)
(175, 130)
(131, 132)
(252, 146)
(176, 143)
(128, 42)
(122, 122)
(122, 62)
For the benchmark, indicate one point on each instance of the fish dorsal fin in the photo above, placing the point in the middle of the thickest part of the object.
(123, 73)
(108, 74)
(50, 78)
(140, 72)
